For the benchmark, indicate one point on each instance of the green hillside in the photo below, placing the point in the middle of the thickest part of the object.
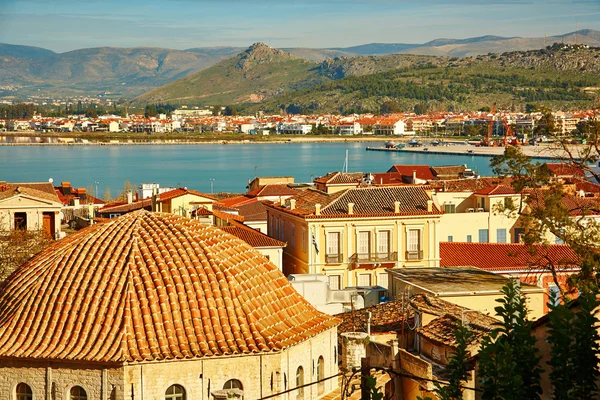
(556, 76)
(252, 76)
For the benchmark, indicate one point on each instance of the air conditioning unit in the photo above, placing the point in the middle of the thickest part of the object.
(470, 210)
(480, 210)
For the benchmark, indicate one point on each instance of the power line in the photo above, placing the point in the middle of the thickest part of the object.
(301, 386)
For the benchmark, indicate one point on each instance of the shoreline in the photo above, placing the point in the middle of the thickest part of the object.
(90, 140)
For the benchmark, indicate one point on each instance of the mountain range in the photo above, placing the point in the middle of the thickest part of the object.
(129, 72)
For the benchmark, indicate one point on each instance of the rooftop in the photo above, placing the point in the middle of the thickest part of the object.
(151, 286)
(455, 281)
(495, 257)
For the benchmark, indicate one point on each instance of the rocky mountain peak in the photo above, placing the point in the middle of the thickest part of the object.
(260, 53)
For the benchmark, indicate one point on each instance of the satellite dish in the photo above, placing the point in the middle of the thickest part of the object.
(50, 180)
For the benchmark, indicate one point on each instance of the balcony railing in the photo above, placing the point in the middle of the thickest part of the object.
(373, 258)
(334, 258)
(414, 255)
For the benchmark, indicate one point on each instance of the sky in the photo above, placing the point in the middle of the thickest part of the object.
(64, 25)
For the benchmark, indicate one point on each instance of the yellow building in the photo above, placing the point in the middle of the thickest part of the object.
(355, 234)
(478, 215)
(467, 287)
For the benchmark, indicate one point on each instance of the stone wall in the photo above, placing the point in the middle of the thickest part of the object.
(53, 381)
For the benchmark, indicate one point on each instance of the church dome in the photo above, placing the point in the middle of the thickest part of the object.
(150, 286)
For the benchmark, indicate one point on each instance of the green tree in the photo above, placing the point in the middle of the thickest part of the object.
(420, 108)
(91, 113)
(230, 111)
(389, 107)
(509, 363)
(574, 353)
(216, 110)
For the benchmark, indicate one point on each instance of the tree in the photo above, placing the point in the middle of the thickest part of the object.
(420, 108)
(17, 247)
(230, 111)
(91, 113)
(216, 110)
(389, 107)
(509, 363)
(574, 352)
(546, 207)
(106, 197)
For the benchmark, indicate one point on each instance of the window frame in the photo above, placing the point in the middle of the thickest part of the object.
(23, 395)
(231, 383)
(79, 396)
(300, 382)
(176, 396)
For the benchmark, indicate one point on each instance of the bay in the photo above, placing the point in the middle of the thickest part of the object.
(194, 166)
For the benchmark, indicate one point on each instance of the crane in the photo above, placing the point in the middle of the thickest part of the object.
(487, 141)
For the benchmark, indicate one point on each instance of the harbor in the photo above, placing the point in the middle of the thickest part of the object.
(548, 151)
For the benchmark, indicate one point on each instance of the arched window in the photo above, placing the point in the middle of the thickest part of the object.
(321, 374)
(300, 382)
(77, 393)
(233, 384)
(24, 392)
(175, 392)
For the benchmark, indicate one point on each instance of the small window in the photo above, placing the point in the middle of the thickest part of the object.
(382, 280)
(450, 208)
(233, 384)
(450, 238)
(300, 382)
(321, 374)
(469, 238)
(24, 392)
(20, 221)
(175, 392)
(335, 282)
(554, 295)
(77, 393)
(364, 280)
(501, 235)
(483, 236)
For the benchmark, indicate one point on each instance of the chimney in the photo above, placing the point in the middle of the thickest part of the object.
(292, 204)
(396, 207)
(129, 197)
(414, 180)
(76, 202)
(350, 208)
(281, 201)
(429, 205)
(317, 209)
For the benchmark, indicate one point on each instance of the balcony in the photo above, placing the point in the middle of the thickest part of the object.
(334, 258)
(373, 258)
(412, 255)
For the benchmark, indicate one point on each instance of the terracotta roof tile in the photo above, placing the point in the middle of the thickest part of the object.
(340, 178)
(272, 190)
(505, 256)
(10, 190)
(561, 169)
(171, 194)
(496, 190)
(422, 171)
(385, 317)
(149, 286)
(251, 236)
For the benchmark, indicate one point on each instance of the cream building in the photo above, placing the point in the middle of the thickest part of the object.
(478, 215)
(157, 306)
(352, 236)
(31, 207)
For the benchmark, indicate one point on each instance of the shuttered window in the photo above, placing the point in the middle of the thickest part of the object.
(414, 240)
(333, 243)
(383, 242)
(364, 241)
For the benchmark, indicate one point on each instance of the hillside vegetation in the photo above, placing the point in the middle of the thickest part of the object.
(556, 76)
(254, 75)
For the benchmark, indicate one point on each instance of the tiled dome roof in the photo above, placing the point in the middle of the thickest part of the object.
(151, 287)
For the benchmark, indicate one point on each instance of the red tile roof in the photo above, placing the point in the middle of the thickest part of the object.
(272, 190)
(340, 178)
(369, 201)
(496, 190)
(171, 194)
(423, 171)
(122, 208)
(147, 287)
(15, 189)
(236, 201)
(505, 256)
(251, 236)
(561, 169)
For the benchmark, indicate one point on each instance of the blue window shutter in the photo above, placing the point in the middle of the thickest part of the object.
(501, 235)
(483, 236)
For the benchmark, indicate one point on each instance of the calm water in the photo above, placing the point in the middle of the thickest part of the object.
(193, 166)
